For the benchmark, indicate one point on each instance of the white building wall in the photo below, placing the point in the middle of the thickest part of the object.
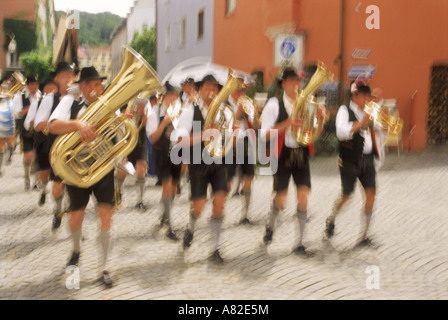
(170, 13)
(143, 13)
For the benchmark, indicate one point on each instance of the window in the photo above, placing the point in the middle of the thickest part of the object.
(183, 32)
(168, 38)
(200, 25)
(231, 5)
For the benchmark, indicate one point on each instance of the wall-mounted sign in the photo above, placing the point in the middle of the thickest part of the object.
(288, 49)
(361, 54)
(361, 71)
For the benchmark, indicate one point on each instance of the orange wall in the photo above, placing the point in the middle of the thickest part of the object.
(240, 40)
(413, 35)
(17, 9)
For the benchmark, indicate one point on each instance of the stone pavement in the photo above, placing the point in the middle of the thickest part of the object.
(410, 225)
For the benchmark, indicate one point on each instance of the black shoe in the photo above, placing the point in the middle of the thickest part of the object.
(74, 259)
(301, 250)
(107, 279)
(171, 235)
(329, 229)
(188, 237)
(141, 206)
(56, 222)
(43, 196)
(216, 257)
(163, 221)
(268, 236)
(367, 243)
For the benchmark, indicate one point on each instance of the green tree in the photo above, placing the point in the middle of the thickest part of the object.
(23, 31)
(37, 63)
(145, 44)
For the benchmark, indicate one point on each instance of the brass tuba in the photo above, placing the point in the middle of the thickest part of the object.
(305, 107)
(17, 83)
(83, 164)
(220, 147)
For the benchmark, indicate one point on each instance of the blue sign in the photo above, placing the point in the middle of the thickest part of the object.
(288, 47)
(361, 71)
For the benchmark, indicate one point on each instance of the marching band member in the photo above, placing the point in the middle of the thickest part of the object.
(202, 174)
(245, 140)
(158, 129)
(63, 121)
(24, 104)
(139, 156)
(293, 159)
(356, 135)
(186, 97)
(63, 77)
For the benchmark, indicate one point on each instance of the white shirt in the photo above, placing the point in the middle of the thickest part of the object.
(154, 119)
(185, 125)
(63, 110)
(270, 115)
(344, 126)
(17, 102)
(44, 111)
(31, 115)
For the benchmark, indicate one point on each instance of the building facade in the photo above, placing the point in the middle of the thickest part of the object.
(184, 30)
(30, 23)
(118, 39)
(142, 13)
(98, 56)
(399, 46)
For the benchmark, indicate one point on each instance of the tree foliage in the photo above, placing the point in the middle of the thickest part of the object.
(96, 29)
(37, 63)
(145, 44)
(23, 31)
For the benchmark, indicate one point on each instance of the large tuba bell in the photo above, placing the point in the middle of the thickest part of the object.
(14, 84)
(220, 147)
(83, 164)
(306, 107)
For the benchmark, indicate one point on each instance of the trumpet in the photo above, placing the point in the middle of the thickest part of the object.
(249, 107)
(174, 113)
(383, 119)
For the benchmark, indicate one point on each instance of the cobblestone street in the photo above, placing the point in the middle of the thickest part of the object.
(409, 225)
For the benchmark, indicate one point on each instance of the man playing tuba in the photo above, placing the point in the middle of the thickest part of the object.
(293, 159)
(62, 121)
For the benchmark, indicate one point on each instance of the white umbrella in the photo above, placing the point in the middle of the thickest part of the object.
(197, 68)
